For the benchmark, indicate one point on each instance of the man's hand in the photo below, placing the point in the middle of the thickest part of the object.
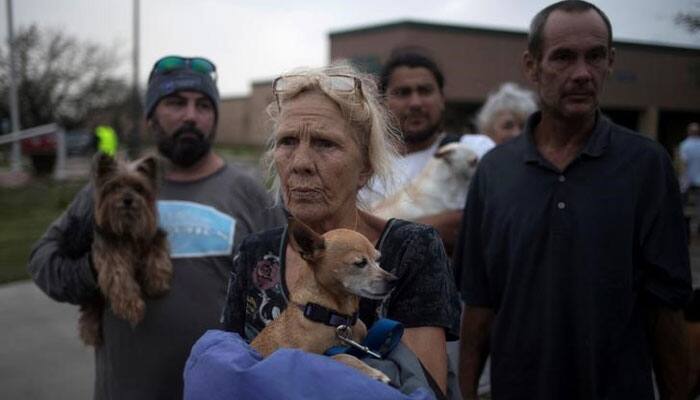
(670, 350)
(473, 348)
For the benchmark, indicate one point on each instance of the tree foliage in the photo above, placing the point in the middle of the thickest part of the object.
(61, 79)
(689, 20)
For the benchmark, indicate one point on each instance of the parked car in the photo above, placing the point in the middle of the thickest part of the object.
(80, 142)
(42, 149)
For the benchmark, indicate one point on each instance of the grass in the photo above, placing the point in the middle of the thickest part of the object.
(25, 213)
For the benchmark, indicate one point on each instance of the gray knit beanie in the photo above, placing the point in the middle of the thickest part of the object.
(163, 84)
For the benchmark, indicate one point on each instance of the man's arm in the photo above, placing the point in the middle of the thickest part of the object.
(473, 348)
(447, 224)
(670, 351)
(60, 261)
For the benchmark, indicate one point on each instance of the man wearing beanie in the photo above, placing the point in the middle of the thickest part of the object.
(206, 206)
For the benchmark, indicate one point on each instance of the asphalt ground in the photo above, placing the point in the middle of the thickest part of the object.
(41, 356)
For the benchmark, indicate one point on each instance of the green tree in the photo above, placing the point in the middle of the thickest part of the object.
(61, 79)
(690, 20)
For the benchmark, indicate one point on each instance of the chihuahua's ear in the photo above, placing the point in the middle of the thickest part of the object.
(304, 240)
(103, 166)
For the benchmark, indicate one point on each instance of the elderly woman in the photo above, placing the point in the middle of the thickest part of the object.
(331, 137)
(503, 115)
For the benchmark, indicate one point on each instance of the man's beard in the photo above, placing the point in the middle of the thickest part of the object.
(424, 135)
(183, 151)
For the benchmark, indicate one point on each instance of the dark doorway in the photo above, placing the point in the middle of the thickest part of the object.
(672, 127)
(459, 117)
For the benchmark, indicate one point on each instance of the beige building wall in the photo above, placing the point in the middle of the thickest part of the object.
(234, 120)
(474, 62)
(243, 120)
(261, 96)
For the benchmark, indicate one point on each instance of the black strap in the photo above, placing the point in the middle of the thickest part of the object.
(319, 313)
(431, 381)
(387, 228)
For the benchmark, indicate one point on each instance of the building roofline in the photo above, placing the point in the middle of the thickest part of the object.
(424, 25)
(433, 26)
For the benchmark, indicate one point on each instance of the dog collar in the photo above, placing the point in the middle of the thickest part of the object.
(319, 313)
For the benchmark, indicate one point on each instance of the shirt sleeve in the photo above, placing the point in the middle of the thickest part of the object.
(60, 262)
(426, 294)
(666, 265)
(474, 285)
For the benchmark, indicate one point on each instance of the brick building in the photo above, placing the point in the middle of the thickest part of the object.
(654, 88)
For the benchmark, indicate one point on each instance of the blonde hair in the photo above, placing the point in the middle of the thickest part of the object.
(371, 125)
(509, 97)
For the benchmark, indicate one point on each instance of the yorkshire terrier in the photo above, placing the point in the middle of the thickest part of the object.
(129, 251)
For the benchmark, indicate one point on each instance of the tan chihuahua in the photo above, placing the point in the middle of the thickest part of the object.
(342, 267)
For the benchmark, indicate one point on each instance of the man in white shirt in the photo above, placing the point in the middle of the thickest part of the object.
(413, 86)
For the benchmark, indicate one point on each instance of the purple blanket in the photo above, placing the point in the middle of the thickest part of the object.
(223, 366)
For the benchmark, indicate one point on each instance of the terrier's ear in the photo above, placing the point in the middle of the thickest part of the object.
(304, 240)
(150, 167)
(103, 166)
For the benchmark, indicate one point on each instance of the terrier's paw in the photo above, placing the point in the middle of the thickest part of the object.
(157, 279)
(90, 323)
(90, 335)
(131, 309)
(157, 288)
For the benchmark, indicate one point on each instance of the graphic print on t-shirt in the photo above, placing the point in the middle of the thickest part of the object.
(196, 230)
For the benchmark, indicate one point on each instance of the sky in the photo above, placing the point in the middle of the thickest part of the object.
(259, 39)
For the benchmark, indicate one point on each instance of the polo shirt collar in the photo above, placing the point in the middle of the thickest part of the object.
(597, 143)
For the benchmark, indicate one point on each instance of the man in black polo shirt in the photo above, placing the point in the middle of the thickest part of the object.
(575, 263)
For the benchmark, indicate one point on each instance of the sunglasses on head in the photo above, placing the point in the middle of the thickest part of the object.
(174, 63)
(329, 83)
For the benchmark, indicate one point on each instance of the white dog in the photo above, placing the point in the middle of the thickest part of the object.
(442, 185)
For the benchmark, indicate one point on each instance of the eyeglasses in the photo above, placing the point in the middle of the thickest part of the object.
(174, 63)
(328, 83)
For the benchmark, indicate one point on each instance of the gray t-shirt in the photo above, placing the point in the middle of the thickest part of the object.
(205, 221)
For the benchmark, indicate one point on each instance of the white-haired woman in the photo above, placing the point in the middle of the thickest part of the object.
(331, 136)
(503, 115)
